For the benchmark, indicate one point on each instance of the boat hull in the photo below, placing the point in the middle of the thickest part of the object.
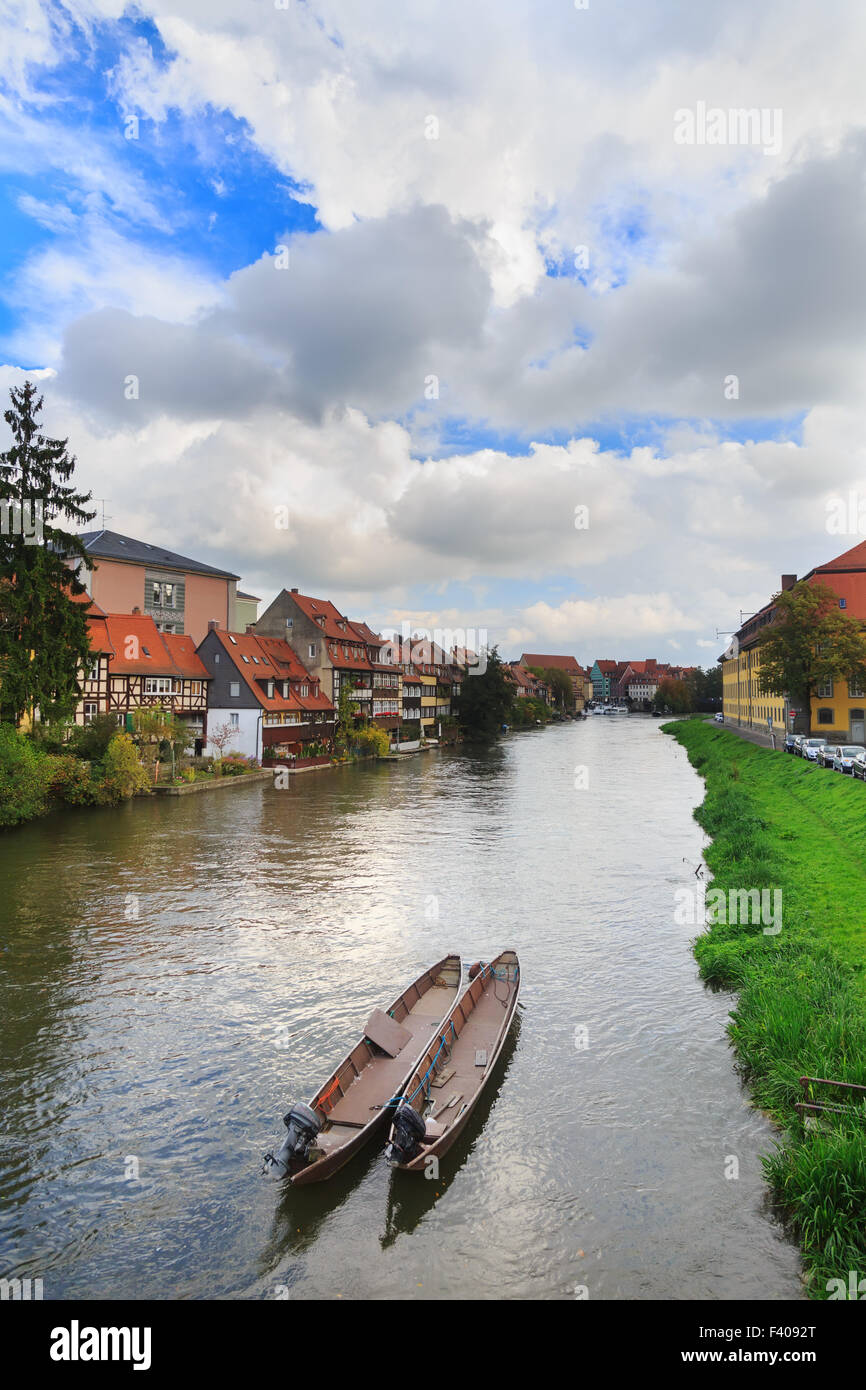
(352, 1102)
(474, 1028)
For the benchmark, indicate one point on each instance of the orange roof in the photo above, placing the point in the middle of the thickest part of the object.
(559, 663)
(261, 659)
(137, 647)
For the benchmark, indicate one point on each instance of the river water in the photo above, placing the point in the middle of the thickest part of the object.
(174, 972)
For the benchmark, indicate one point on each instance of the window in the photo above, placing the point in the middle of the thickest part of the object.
(93, 673)
(270, 690)
(311, 649)
(825, 716)
(234, 690)
(195, 687)
(233, 640)
(163, 594)
(234, 720)
(90, 710)
(825, 691)
(158, 685)
(305, 690)
(855, 688)
(843, 603)
(289, 622)
(285, 690)
(245, 659)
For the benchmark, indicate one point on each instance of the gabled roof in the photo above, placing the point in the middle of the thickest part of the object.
(136, 647)
(325, 615)
(559, 663)
(110, 545)
(271, 658)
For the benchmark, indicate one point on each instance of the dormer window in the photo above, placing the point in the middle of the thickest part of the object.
(285, 690)
(270, 690)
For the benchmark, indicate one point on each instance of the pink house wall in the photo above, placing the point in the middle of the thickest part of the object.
(119, 588)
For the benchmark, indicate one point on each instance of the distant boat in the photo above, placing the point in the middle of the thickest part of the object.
(462, 1056)
(352, 1104)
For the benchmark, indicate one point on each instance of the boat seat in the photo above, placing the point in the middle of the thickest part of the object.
(386, 1033)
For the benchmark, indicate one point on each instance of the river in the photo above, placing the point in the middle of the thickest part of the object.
(174, 972)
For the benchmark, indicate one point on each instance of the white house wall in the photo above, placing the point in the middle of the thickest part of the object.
(248, 739)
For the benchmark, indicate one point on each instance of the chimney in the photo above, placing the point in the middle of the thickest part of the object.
(293, 591)
(136, 610)
(788, 581)
(213, 625)
(250, 627)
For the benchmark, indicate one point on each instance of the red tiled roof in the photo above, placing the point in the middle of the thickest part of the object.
(324, 613)
(559, 663)
(271, 658)
(137, 647)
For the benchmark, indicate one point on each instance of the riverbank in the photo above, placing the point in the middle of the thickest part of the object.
(779, 824)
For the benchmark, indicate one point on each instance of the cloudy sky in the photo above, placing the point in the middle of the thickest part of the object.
(522, 329)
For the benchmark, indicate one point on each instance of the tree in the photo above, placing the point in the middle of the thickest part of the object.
(559, 684)
(674, 696)
(43, 633)
(810, 641)
(221, 736)
(347, 708)
(122, 772)
(485, 701)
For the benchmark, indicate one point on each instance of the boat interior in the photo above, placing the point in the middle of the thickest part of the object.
(455, 1077)
(374, 1071)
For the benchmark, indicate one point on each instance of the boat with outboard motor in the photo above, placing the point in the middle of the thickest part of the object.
(353, 1103)
(446, 1084)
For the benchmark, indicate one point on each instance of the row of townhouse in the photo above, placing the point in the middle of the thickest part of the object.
(273, 686)
(581, 685)
(635, 681)
(838, 709)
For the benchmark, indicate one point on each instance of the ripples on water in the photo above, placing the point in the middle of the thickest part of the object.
(174, 972)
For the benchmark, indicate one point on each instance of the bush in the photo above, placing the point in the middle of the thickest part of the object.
(372, 741)
(71, 781)
(90, 741)
(25, 776)
(235, 765)
(122, 773)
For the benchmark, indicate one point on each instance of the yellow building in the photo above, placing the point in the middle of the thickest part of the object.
(838, 709)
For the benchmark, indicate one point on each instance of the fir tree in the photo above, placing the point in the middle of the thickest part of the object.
(43, 632)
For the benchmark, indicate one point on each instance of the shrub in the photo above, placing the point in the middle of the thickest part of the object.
(25, 776)
(90, 741)
(71, 781)
(372, 740)
(122, 773)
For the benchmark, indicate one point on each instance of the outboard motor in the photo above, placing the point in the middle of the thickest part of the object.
(302, 1124)
(409, 1130)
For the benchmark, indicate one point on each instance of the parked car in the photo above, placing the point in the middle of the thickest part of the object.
(826, 754)
(798, 739)
(790, 742)
(845, 754)
(858, 767)
(719, 718)
(811, 747)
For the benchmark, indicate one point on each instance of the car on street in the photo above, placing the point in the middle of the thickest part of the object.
(858, 767)
(789, 743)
(845, 754)
(719, 718)
(798, 739)
(826, 754)
(811, 747)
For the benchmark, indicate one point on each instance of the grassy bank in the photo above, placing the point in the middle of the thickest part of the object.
(778, 823)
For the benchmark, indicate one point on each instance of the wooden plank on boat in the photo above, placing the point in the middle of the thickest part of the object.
(441, 1079)
(386, 1033)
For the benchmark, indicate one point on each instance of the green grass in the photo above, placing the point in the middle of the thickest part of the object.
(777, 822)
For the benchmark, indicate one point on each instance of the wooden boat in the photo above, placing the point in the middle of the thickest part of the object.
(448, 1080)
(350, 1106)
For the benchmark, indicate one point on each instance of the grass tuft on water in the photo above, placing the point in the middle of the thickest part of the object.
(777, 822)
